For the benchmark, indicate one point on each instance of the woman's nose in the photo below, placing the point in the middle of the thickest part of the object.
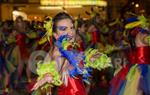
(70, 32)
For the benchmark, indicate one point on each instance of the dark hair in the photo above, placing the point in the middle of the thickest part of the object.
(131, 39)
(80, 23)
(58, 17)
(19, 18)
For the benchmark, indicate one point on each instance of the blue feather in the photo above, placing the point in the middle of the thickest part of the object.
(74, 59)
(132, 19)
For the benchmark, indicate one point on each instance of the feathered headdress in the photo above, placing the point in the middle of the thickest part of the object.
(48, 35)
(137, 24)
(138, 21)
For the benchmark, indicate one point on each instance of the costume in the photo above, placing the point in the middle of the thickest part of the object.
(22, 46)
(69, 75)
(134, 78)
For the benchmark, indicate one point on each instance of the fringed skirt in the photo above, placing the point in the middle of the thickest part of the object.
(132, 81)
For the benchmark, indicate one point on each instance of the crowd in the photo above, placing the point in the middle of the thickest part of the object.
(20, 38)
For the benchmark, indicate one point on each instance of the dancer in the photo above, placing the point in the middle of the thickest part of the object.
(21, 51)
(4, 72)
(65, 66)
(134, 78)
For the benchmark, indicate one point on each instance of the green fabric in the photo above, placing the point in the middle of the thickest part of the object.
(48, 26)
(66, 44)
(103, 61)
(148, 40)
(143, 21)
(49, 68)
(131, 72)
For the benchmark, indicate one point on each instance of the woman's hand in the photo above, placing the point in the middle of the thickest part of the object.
(92, 55)
(95, 56)
(97, 60)
(47, 79)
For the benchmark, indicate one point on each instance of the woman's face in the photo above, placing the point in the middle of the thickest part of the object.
(91, 28)
(19, 23)
(65, 27)
(82, 29)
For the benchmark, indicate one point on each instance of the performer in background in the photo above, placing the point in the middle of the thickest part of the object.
(134, 78)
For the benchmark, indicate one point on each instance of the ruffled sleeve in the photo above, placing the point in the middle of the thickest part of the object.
(49, 68)
(103, 61)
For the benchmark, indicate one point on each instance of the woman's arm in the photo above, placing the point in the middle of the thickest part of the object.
(46, 79)
(48, 75)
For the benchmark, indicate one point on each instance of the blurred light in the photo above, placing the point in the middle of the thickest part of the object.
(16, 13)
(49, 7)
(73, 2)
(75, 6)
(35, 17)
(136, 5)
(132, 3)
(58, 7)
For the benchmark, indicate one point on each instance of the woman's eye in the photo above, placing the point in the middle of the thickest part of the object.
(72, 28)
(62, 28)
